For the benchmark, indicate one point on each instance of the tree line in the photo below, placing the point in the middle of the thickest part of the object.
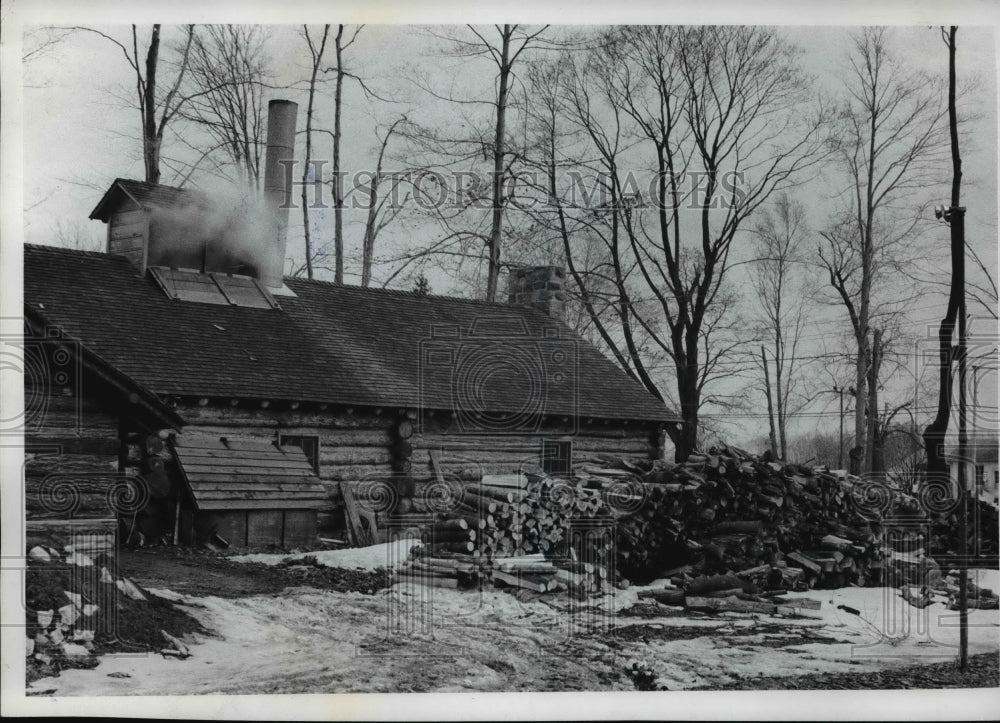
(733, 238)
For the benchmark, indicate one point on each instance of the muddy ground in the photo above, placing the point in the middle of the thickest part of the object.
(199, 574)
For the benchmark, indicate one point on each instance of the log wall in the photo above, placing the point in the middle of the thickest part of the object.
(468, 456)
(351, 446)
(71, 455)
(392, 446)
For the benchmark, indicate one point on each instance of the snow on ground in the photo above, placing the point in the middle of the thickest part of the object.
(416, 638)
(889, 627)
(887, 632)
(388, 554)
(307, 640)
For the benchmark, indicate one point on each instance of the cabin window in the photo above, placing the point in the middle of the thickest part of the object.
(309, 443)
(557, 457)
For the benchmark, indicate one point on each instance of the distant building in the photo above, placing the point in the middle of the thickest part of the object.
(983, 467)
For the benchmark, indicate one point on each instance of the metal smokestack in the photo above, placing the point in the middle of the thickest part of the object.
(277, 187)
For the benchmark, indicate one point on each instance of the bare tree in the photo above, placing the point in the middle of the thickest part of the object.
(39, 42)
(382, 206)
(984, 290)
(156, 109)
(717, 115)
(478, 140)
(887, 143)
(340, 73)
(316, 50)
(781, 293)
(227, 71)
(78, 235)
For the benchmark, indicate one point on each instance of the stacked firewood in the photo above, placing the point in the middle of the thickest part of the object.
(780, 526)
(523, 532)
(727, 511)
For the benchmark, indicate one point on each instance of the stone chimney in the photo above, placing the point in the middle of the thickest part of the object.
(538, 287)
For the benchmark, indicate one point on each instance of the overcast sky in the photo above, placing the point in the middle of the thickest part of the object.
(80, 130)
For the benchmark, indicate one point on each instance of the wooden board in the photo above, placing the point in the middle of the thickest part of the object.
(274, 455)
(228, 478)
(300, 527)
(248, 475)
(265, 527)
(515, 481)
(238, 466)
(242, 484)
(361, 523)
(245, 494)
(280, 504)
(435, 457)
(231, 525)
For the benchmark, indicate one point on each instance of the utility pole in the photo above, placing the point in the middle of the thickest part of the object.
(957, 220)
(958, 236)
(934, 434)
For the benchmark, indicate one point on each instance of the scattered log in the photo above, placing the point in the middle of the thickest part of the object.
(177, 644)
(666, 596)
(534, 583)
(426, 579)
(805, 562)
(728, 604)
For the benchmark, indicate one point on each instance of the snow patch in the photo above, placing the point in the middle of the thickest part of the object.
(389, 554)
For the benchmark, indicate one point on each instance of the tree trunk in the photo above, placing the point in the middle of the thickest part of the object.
(150, 141)
(496, 226)
(871, 431)
(338, 189)
(368, 248)
(317, 59)
(782, 398)
(770, 406)
(936, 431)
(690, 401)
(860, 401)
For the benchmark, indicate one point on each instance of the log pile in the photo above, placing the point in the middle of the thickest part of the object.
(727, 511)
(774, 525)
(522, 532)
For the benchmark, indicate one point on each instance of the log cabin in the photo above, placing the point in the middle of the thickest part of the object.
(230, 403)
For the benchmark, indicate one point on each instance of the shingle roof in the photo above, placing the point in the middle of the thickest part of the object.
(145, 194)
(330, 343)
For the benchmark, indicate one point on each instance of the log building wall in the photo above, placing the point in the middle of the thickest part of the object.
(71, 454)
(394, 447)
